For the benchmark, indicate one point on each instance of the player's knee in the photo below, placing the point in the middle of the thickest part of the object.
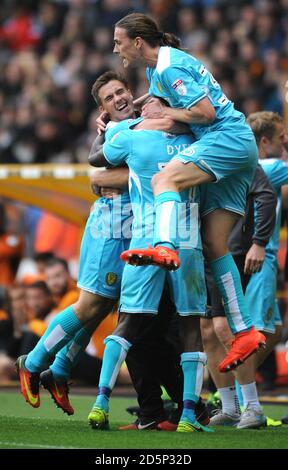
(213, 247)
(95, 307)
(207, 332)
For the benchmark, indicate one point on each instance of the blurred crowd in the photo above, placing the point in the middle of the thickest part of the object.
(51, 52)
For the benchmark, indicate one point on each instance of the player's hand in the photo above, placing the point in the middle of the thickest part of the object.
(102, 122)
(254, 259)
(153, 109)
(96, 189)
(110, 193)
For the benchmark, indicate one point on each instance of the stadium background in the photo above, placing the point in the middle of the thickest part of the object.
(51, 52)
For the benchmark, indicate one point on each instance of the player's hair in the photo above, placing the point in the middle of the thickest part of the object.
(43, 256)
(140, 25)
(263, 124)
(54, 261)
(41, 285)
(103, 80)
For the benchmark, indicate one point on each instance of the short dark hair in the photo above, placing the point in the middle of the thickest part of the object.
(43, 257)
(54, 261)
(41, 285)
(103, 80)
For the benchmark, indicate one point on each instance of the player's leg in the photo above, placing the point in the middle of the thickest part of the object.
(55, 379)
(130, 330)
(189, 292)
(216, 227)
(153, 362)
(207, 160)
(99, 288)
(167, 185)
(140, 297)
(60, 332)
(229, 414)
(193, 361)
(217, 339)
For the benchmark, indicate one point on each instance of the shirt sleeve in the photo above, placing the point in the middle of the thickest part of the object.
(182, 86)
(278, 176)
(117, 149)
(265, 199)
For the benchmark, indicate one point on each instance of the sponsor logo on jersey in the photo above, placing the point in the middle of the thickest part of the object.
(111, 278)
(179, 87)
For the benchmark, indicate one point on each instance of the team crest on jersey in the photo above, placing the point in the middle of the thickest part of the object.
(179, 87)
(111, 278)
(159, 87)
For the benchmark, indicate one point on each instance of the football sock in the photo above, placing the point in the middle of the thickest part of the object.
(250, 396)
(60, 331)
(193, 370)
(227, 278)
(230, 404)
(114, 355)
(70, 355)
(166, 224)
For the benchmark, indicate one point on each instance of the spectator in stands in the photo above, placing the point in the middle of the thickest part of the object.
(61, 285)
(11, 250)
(58, 53)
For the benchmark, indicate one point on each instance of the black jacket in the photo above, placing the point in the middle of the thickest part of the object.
(246, 232)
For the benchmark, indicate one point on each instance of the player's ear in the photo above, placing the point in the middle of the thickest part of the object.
(138, 42)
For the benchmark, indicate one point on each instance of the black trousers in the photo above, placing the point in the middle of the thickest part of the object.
(155, 361)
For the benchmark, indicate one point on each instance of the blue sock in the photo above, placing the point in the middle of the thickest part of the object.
(102, 400)
(227, 278)
(166, 222)
(114, 355)
(193, 370)
(60, 331)
(239, 393)
(69, 356)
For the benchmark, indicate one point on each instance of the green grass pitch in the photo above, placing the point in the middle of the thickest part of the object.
(22, 427)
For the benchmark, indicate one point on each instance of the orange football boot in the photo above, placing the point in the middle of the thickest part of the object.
(244, 344)
(58, 390)
(29, 382)
(160, 256)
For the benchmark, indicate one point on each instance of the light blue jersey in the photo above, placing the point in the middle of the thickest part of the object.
(183, 81)
(262, 287)
(225, 148)
(107, 233)
(146, 152)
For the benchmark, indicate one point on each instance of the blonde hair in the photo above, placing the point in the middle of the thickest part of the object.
(263, 124)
